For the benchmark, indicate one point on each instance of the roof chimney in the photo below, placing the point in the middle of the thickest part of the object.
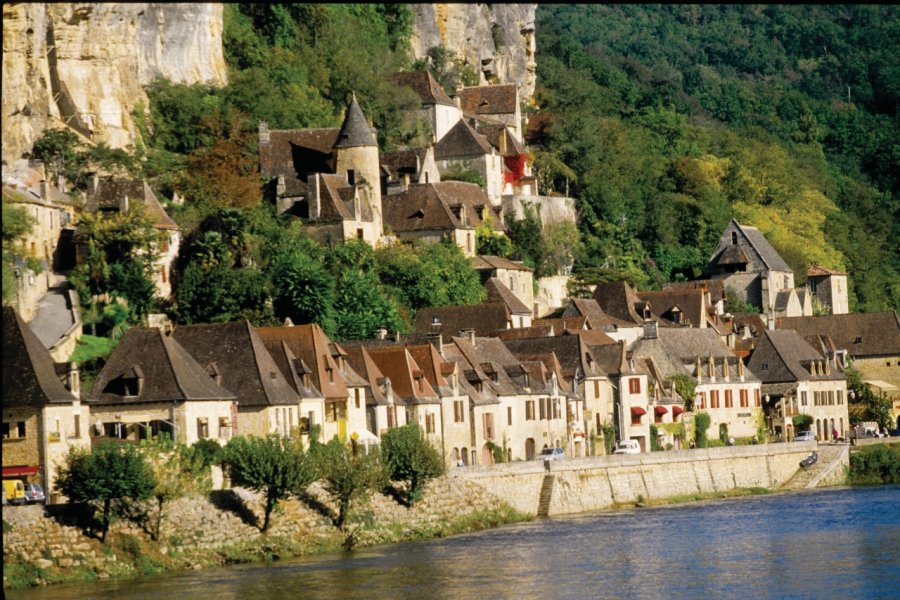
(469, 333)
(651, 330)
(263, 132)
(44, 189)
(740, 368)
(382, 333)
(437, 340)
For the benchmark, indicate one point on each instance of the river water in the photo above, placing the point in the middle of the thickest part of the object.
(842, 543)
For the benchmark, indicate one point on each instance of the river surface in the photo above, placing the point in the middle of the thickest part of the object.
(840, 543)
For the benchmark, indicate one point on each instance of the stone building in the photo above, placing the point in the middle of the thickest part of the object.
(829, 287)
(438, 110)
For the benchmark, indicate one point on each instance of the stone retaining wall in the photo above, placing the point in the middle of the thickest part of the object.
(597, 483)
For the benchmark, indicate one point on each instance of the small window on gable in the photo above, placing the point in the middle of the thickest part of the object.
(765, 366)
(734, 237)
(858, 340)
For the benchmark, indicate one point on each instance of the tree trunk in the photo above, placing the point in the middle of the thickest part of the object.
(270, 504)
(105, 523)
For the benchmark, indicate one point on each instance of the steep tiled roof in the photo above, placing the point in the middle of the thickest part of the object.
(618, 300)
(292, 368)
(820, 271)
(295, 153)
(689, 343)
(483, 318)
(525, 332)
(422, 83)
(498, 292)
(878, 334)
(715, 287)
(732, 255)
(438, 207)
(691, 302)
(596, 317)
(109, 194)
(491, 263)
(407, 378)
(508, 146)
(337, 195)
(246, 367)
(781, 356)
(170, 373)
(570, 351)
(29, 376)
(490, 356)
(561, 325)
(488, 99)
(462, 141)
(310, 344)
(402, 162)
(361, 362)
(355, 131)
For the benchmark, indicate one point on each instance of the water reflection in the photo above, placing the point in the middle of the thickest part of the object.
(808, 545)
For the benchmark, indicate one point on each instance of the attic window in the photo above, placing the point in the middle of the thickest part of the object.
(765, 366)
(734, 237)
(435, 320)
(858, 340)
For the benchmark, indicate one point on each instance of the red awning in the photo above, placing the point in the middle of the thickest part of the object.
(677, 410)
(660, 410)
(637, 411)
(19, 471)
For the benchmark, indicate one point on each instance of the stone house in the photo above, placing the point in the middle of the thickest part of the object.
(830, 288)
(43, 416)
(496, 104)
(868, 341)
(152, 385)
(112, 197)
(516, 170)
(234, 352)
(437, 109)
(517, 278)
(328, 178)
(483, 319)
(798, 380)
(344, 390)
(385, 408)
(463, 149)
(749, 265)
(450, 210)
(596, 319)
(724, 388)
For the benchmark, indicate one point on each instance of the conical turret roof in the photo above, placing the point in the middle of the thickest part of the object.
(355, 131)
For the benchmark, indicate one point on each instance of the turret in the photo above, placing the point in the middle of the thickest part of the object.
(356, 156)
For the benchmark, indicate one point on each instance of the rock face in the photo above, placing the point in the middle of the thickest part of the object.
(495, 40)
(86, 65)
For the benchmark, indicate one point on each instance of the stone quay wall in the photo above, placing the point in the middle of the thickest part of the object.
(596, 483)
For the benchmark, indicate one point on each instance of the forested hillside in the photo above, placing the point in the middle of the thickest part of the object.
(669, 120)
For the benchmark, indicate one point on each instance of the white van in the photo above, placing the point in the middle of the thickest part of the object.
(628, 447)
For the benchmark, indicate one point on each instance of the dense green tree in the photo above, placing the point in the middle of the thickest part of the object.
(362, 306)
(178, 470)
(16, 225)
(410, 458)
(274, 465)
(110, 473)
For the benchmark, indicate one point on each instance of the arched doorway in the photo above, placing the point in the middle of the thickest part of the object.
(455, 456)
(464, 453)
(818, 429)
(529, 449)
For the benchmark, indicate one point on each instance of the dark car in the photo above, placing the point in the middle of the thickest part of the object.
(34, 493)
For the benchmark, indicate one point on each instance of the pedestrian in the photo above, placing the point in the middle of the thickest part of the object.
(834, 434)
(731, 440)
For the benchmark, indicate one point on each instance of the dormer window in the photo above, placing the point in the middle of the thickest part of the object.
(858, 340)
(734, 237)
(765, 366)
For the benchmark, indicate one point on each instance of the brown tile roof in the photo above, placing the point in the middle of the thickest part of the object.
(407, 378)
(715, 287)
(618, 300)
(878, 333)
(594, 315)
(460, 142)
(525, 332)
(29, 375)
(691, 302)
(295, 153)
(355, 131)
(562, 324)
(361, 362)
(509, 146)
(294, 369)
(731, 255)
(110, 193)
(434, 207)
(820, 271)
(489, 99)
(498, 292)
(402, 162)
(169, 372)
(570, 350)
(423, 84)
(492, 263)
(310, 344)
(782, 356)
(336, 197)
(490, 356)
(246, 367)
(436, 369)
(483, 318)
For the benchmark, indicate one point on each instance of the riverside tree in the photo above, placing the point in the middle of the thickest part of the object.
(179, 471)
(274, 465)
(410, 458)
(110, 472)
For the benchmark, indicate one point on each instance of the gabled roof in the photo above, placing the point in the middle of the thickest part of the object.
(310, 344)
(355, 131)
(570, 350)
(408, 380)
(462, 141)
(618, 300)
(489, 99)
(490, 356)
(501, 138)
(688, 343)
(403, 162)
(498, 292)
(439, 207)
(169, 372)
(820, 271)
(691, 303)
(295, 153)
(732, 255)
(436, 369)
(727, 254)
(29, 375)
(562, 324)
(861, 334)
(715, 287)
(361, 362)
(246, 367)
(492, 263)
(780, 357)
(450, 320)
(596, 318)
(109, 194)
(336, 196)
(292, 368)
(423, 84)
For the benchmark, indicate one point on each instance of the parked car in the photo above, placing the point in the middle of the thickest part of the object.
(552, 454)
(14, 491)
(805, 436)
(628, 447)
(34, 493)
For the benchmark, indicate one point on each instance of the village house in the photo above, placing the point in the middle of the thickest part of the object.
(385, 408)
(401, 168)
(796, 381)
(753, 270)
(43, 416)
(495, 104)
(344, 390)
(432, 212)
(464, 150)
(109, 198)
(483, 319)
(328, 178)
(596, 319)
(151, 385)
(513, 274)
(829, 288)
(234, 352)
(438, 110)
(869, 342)
(724, 388)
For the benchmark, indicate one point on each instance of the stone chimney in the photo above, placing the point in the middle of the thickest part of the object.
(651, 330)
(382, 333)
(468, 333)
(44, 189)
(740, 368)
(264, 132)
(437, 340)
(74, 379)
(288, 322)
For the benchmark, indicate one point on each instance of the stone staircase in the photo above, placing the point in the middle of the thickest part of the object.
(831, 458)
(546, 495)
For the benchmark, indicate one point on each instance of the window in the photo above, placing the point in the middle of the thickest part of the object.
(488, 422)
(634, 386)
(459, 414)
(20, 429)
(529, 410)
(77, 433)
(728, 399)
(5, 430)
(702, 400)
(757, 398)
(765, 366)
(733, 237)
(858, 340)
(557, 412)
(202, 428)
(635, 419)
(359, 233)
(356, 394)
(745, 398)
(831, 398)
(802, 398)
(225, 428)
(596, 389)
(543, 408)
(714, 399)
(509, 415)
(840, 397)
(429, 423)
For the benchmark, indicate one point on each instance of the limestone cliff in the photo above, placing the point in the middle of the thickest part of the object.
(495, 40)
(86, 64)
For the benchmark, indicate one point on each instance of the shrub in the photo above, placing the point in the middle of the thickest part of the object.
(873, 465)
(701, 424)
(409, 457)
